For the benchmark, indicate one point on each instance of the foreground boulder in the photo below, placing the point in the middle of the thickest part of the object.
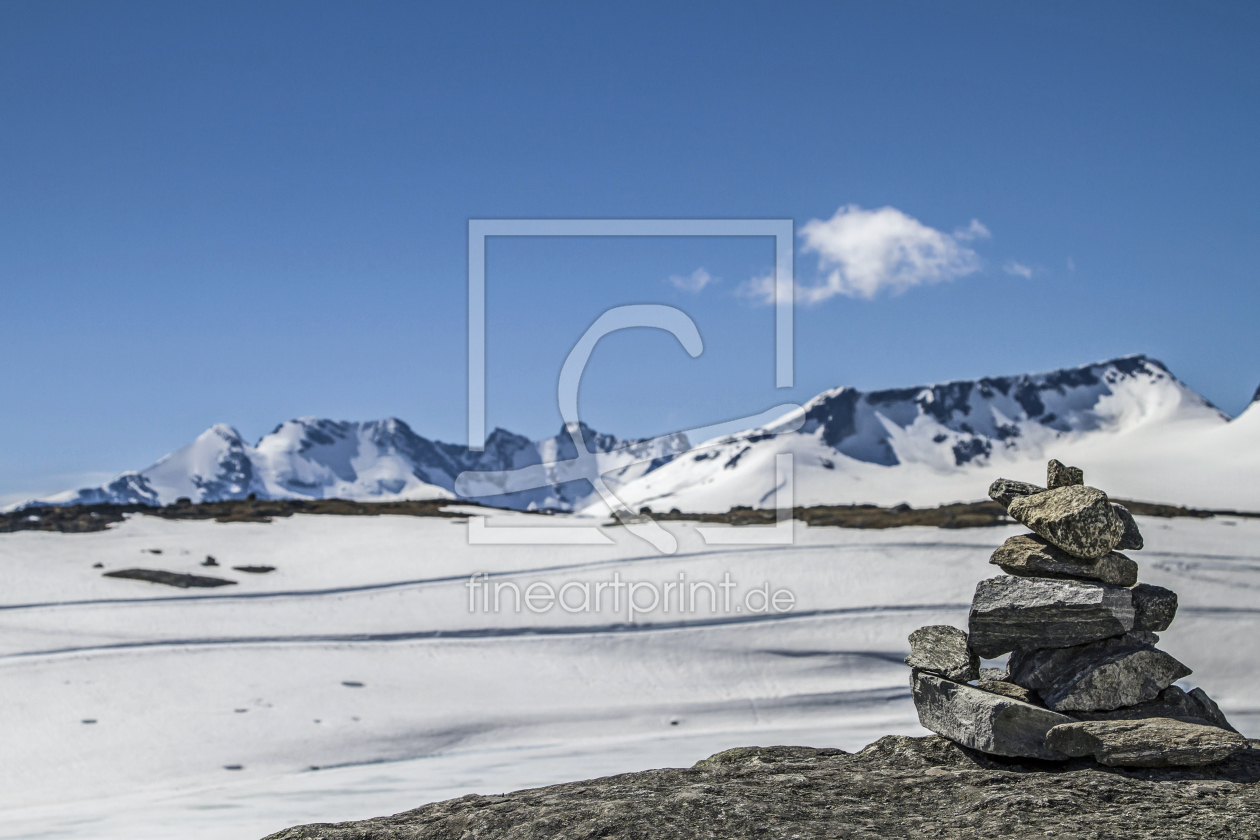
(1102, 675)
(1009, 613)
(1152, 742)
(993, 723)
(1080, 520)
(895, 788)
(941, 649)
(1028, 555)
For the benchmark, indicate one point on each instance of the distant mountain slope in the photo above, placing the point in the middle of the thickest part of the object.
(1133, 425)
(310, 458)
(935, 444)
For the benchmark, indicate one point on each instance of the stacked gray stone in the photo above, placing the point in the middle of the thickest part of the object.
(1083, 676)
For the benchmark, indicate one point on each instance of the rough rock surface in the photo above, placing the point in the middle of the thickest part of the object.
(1131, 539)
(1211, 712)
(1151, 742)
(1098, 676)
(995, 674)
(1172, 702)
(1011, 690)
(1078, 519)
(896, 788)
(1028, 555)
(1154, 607)
(1009, 613)
(1059, 475)
(941, 649)
(1004, 491)
(982, 720)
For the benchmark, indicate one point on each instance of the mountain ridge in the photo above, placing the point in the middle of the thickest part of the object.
(911, 444)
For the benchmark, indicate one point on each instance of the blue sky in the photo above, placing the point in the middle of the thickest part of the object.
(243, 213)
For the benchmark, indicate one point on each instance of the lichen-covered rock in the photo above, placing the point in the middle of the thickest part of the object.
(891, 789)
(1004, 491)
(1131, 539)
(1172, 702)
(1009, 613)
(1011, 690)
(1028, 555)
(1150, 742)
(1078, 519)
(941, 649)
(1154, 607)
(1059, 475)
(1098, 676)
(982, 720)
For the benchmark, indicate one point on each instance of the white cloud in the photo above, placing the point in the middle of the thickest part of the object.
(869, 250)
(975, 230)
(1018, 269)
(693, 282)
(760, 289)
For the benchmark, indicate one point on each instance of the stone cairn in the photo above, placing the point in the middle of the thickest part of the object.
(1084, 677)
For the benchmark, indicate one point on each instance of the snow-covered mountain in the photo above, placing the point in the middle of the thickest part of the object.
(1137, 430)
(379, 460)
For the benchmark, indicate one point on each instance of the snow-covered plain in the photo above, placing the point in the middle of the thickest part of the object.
(359, 655)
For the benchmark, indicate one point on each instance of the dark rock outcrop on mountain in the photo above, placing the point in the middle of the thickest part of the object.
(897, 787)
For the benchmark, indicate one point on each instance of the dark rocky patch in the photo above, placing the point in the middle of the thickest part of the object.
(74, 519)
(178, 579)
(255, 570)
(898, 787)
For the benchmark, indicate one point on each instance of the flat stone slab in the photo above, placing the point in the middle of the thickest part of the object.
(982, 720)
(1154, 607)
(1098, 676)
(1059, 475)
(1152, 742)
(892, 789)
(1131, 539)
(942, 650)
(1009, 689)
(1172, 702)
(1004, 491)
(1077, 519)
(1010, 613)
(1028, 555)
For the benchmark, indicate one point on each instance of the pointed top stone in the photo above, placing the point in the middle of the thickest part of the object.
(1059, 475)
